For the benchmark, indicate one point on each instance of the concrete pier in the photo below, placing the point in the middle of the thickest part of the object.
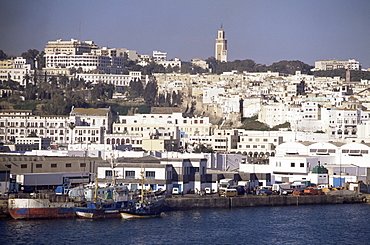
(186, 203)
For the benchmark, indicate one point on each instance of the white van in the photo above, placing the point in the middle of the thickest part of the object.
(175, 191)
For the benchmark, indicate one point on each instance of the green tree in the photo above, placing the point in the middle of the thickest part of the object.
(150, 93)
(3, 55)
(136, 88)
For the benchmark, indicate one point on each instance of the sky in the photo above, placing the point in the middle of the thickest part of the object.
(265, 31)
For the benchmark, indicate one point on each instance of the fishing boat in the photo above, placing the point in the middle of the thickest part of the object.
(144, 206)
(104, 207)
(143, 209)
(115, 198)
(40, 206)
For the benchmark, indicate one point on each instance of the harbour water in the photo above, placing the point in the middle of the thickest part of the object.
(316, 224)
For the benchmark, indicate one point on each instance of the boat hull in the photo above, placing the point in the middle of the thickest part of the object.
(40, 209)
(133, 215)
(89, 213)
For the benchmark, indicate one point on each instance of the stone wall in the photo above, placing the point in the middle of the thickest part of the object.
(255, 201)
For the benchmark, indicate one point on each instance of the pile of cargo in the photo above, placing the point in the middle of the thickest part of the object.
(309, 191)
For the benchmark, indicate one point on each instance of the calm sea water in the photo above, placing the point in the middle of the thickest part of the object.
(329, 224)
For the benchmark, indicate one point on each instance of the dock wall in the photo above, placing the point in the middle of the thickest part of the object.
(256, 201)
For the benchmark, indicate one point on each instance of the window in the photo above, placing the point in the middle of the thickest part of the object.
(150, 174)
(130, 174)
(292, 164)
(82, 165)
(68, 165)
(39, 165)
(108, 174)
(53, 165)
(301, 165)
(23, 165)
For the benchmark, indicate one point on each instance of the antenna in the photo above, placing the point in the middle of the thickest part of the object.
(221, 25)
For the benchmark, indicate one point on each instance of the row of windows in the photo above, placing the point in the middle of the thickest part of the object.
(195, 121)
(258, 139)
(52, 165)
(292, 164)
(31, 124)
(254, 146)
(131, 174)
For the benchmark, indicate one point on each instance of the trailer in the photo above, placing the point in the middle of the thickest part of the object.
(55, 179)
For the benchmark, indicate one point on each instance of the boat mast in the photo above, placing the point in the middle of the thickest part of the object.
(96, 188)
(142, 185)
(113, 172)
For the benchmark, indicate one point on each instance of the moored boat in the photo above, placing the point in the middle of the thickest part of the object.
(140, 209)
(99, 209)
(40, 206)
(144, 206)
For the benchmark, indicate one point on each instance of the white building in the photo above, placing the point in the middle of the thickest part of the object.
(159, 56)
(17, 70)
(108, 64)
(72, 47)
(116, 80)
(324, 65)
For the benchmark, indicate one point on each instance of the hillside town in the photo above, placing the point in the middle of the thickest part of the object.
(317, 128)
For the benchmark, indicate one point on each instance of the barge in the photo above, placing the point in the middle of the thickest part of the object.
(41, 206)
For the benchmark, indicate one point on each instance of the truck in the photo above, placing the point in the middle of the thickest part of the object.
(224, 184)
(282, 188)
(263, 190)
(287, 188)
(248, 185)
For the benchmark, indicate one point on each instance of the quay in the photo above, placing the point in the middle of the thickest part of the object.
(213, 201)
(193, 201)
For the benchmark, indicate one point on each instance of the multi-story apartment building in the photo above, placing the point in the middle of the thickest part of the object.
(16, 69)
(273, 114)
(108, 64)
(325, 65)
(159, 56)
(341, 123)
(258, 146)
(115, 79)
(81, 126)
(21, 126)
(138, 123)
(224, 140)
(72, 47)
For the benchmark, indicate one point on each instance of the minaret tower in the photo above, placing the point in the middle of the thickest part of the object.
(221, 46)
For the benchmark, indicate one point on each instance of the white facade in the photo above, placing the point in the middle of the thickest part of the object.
(116, 80)
(325, 65)
(109, 64)
(137, 123)
(72, 47)
(159, 56)
(16, 69)
(170, 63)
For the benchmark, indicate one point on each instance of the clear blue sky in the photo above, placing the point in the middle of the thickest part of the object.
(265, 31)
